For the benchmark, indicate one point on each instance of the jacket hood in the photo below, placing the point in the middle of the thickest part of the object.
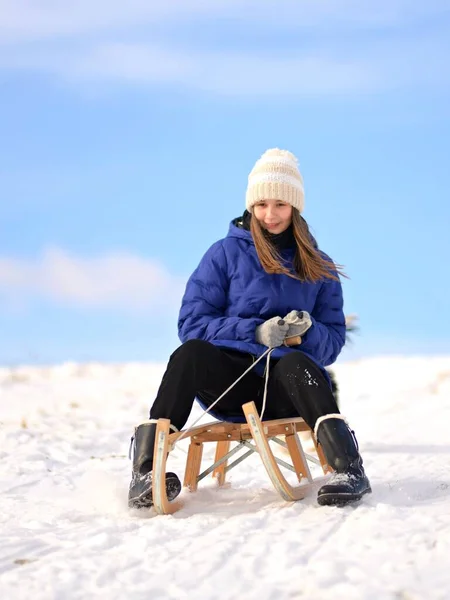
(240, 227)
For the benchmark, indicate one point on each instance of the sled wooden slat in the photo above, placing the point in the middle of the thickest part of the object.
(213, 432)
(298, 457)
(323, 461)
(219, 472)
(193, 464)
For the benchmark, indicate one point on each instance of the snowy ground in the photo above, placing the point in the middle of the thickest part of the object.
(66, 531)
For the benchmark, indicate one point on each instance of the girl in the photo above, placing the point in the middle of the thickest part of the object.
(265, 282)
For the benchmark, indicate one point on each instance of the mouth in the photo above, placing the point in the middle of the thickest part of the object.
(272, 225)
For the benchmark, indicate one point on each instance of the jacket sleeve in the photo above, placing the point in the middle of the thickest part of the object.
(325, 338)
(203, 307)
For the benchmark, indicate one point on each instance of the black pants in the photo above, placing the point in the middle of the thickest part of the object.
(297, 387)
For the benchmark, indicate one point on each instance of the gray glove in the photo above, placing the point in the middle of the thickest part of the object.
(299, 322)
(271, 333)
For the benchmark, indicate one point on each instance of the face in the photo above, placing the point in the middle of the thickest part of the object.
(273, 215)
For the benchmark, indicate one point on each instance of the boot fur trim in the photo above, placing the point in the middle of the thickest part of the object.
(324, 418)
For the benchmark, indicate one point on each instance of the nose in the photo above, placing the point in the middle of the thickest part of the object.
(269, 211)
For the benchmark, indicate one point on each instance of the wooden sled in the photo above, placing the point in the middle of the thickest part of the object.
(223, 433)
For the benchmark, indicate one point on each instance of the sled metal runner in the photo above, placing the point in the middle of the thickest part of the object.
(252, 436)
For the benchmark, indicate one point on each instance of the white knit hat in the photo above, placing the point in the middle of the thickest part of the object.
(276, 176)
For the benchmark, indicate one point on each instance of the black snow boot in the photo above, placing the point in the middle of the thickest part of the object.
(140, 492)
(349, 481)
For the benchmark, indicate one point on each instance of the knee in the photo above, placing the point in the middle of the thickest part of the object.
(301, 368)
(191, 349)
(293, 361)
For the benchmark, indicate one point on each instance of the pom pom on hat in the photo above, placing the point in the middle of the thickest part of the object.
(276, 176)
(276, 152)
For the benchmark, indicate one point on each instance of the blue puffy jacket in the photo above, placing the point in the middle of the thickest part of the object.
(229, 294)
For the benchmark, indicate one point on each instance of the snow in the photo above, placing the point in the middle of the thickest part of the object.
(66, 531)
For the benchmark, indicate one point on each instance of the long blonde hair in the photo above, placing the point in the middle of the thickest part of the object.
(309, 264)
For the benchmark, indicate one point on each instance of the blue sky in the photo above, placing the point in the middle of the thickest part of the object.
(127, 131)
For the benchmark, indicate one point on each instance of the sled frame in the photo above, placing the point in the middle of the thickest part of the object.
(252, 436)
(251, 449)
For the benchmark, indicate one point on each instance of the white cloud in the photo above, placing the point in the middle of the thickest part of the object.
(379, 67)
(115, 280)
(29, 20)
(93, 42)
(39, 19)
(223, 73)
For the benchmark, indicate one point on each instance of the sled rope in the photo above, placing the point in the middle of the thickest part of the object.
(266, 381)
(267, 353)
